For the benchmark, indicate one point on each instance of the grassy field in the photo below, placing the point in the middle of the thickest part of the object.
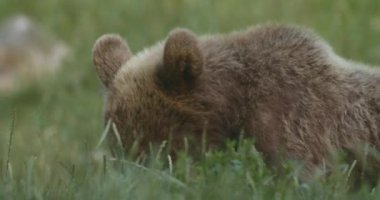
(58, 121)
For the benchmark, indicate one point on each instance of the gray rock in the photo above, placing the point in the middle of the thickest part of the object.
(27, 52)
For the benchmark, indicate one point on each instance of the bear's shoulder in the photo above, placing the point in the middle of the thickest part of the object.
(279, 37)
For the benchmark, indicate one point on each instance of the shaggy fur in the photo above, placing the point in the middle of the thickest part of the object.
(282, 85)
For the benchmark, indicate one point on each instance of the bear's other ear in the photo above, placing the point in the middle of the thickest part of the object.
(182, 62)
(109, 53)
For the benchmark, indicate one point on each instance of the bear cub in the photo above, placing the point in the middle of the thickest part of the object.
(282, 85)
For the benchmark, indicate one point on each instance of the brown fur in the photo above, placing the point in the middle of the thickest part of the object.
(282, 85)
(109, 54)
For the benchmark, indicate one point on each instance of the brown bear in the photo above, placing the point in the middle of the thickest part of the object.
(280, 84)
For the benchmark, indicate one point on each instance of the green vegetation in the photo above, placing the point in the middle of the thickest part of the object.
(58, 120)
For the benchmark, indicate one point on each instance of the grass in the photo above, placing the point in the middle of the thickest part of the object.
(58, 121)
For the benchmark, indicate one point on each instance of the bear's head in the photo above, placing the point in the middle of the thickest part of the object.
(153, 96)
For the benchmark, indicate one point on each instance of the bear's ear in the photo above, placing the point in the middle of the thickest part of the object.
(182, 61)
(109, 53)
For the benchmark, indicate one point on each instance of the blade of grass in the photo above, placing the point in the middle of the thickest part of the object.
(10, 142)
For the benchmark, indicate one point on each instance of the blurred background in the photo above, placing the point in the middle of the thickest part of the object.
(50, 85)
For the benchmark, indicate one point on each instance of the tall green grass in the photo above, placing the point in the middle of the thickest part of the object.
(58, 120)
